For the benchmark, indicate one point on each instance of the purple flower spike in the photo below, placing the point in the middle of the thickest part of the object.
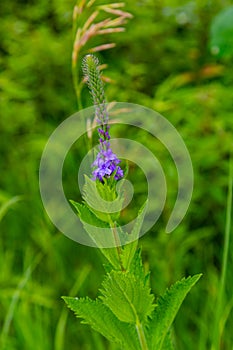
(106, 162)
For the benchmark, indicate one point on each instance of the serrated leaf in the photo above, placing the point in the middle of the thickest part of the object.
(107, 190)
(137, 269)
(129, 250)
(135, 234)
(166, 310)
(87, 216)
(102, 320)
(102, 200)
(95, 227)
(133, 297)
(112, 256)
(168, 344)
(127, 254)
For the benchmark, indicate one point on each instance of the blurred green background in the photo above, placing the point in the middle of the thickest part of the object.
(175, 57)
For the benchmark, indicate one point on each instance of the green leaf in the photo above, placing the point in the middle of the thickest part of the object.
(166, 310)
(135, 234)
(87, 216)
(107, 190)
(127, 297)
(95, 227)
(102, 320)
(112, 256)
(137, 268)
(168, 344)
(129, 249)
(102, 200)
(127, 254)
(221, 33)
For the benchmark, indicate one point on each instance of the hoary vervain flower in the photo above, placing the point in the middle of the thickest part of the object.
(106, 162)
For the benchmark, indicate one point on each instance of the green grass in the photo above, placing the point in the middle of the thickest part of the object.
(224, 307)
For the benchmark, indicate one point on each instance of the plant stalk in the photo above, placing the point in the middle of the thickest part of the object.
(117, 242)
(220, 297)
(141, 336)
(77, 85)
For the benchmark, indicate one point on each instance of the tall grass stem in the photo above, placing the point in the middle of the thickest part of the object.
(216, 345)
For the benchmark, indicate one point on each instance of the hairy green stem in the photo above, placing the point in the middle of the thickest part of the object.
(117, 242)
(141, 336)
(78, 92)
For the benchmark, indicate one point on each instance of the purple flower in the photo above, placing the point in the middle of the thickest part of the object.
(106, 162)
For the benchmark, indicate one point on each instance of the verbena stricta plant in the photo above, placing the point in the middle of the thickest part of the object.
(126, 311)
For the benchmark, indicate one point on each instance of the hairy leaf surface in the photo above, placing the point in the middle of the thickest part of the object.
(166, 310)
(128, 297)
(102, 320)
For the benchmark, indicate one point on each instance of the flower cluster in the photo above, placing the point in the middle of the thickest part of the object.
(106, 162)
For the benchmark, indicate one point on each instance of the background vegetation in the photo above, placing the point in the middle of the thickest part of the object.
(163, 61)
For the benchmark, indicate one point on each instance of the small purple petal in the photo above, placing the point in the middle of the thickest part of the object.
(101, 131)
(105, 164)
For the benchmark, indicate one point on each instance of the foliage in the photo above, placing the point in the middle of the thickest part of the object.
(161, 61)
(221, 33)
(126, 285)
(166, 310)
